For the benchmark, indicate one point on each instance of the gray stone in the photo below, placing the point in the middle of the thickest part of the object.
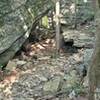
(86, 83)
(20, 62)
(52, 85)
(1, 95)
(72, 95)
(70, 80)
(11, 65)
(42, 78)
(24, 65)
(87, 55)
(56, 99)
(80, 38)
(16, 19)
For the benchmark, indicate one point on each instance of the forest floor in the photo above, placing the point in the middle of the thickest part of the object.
(41, 74)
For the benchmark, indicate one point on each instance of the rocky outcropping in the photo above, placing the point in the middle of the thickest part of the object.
(16, 19)
(81, 39)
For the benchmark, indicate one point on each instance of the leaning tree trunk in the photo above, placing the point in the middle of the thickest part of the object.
(94, 70)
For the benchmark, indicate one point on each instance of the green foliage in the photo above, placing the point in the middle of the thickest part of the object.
(79, 89)
(1, 66)
(45, 21)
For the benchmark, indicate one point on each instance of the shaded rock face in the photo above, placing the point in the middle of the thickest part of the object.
(15, 23)
(81, 39)
(13, 27)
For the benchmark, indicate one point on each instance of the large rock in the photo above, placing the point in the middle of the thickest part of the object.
(87, 56)
(80, 38)
(52, 85)
(16, 18)
(11, 65)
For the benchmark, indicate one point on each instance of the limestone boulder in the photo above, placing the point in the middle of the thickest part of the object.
(16, 19)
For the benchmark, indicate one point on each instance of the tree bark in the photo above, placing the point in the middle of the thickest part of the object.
(94, 70)
(57, 25)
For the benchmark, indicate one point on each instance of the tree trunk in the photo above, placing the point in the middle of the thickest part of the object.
(94, 70)
(57, 26)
